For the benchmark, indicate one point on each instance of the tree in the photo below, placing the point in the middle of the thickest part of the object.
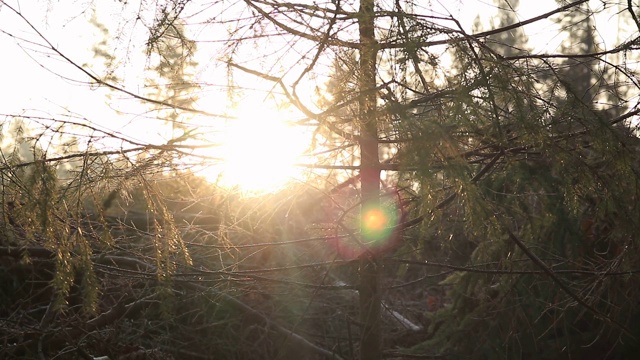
(494, 185)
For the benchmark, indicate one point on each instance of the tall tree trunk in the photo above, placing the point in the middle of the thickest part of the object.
(370, 342)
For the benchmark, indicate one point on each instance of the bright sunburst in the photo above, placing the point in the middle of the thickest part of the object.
(259, 151)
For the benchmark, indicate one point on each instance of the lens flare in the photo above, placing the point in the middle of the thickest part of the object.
(377, 223)
(378, 230)
(375, 220)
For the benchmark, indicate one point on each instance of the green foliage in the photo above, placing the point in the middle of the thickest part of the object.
(565, 182)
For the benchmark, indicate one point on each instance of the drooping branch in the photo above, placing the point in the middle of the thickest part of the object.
(129, 307)
(552, 275)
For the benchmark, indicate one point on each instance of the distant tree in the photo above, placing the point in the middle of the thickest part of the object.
(173, 54)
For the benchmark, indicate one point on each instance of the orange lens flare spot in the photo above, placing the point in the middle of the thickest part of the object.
(378, 223)
(375, 220)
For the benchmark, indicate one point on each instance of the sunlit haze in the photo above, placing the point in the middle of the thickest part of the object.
(259, 150)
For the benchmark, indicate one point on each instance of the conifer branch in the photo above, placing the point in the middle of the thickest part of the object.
(536, 260)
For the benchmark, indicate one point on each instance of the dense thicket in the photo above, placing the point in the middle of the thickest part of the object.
(501, 182)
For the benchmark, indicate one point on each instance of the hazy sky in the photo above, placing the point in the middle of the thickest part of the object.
(33, 78)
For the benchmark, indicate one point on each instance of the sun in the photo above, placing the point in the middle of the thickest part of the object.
(259, 150)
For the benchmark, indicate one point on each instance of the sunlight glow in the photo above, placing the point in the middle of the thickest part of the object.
(375, 220)
(259, 151)
(378, 222)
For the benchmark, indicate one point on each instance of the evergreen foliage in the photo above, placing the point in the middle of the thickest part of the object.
(501, 185)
